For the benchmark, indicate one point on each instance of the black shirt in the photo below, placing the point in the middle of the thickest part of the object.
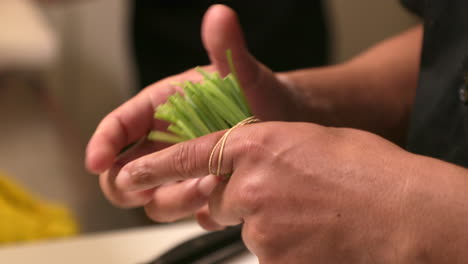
(282, 34)
(439, 120)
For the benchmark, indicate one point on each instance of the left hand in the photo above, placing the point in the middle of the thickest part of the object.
(307, 194)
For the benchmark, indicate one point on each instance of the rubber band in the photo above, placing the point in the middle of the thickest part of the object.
(222, 142)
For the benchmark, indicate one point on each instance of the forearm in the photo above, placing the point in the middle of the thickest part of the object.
(374, 91)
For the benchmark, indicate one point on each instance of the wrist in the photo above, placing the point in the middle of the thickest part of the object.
(437, 207)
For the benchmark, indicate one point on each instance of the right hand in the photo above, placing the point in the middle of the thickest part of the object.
(268, 96)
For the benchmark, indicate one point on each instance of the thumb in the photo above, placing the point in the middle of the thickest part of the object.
(221, 31)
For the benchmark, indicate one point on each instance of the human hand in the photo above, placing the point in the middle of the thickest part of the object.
(307, 193)
(267, 95)
(134, 119)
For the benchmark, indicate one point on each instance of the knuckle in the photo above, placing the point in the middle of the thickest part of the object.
(253, 147)
(140, 173)
(250, 196)
(249, 146)
(254, 143)
(184, 160)
(260, 237)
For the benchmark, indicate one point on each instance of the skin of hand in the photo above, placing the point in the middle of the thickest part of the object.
(267, 95)
(307, 193)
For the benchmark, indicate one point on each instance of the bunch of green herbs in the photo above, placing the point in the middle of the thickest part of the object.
(214, 104)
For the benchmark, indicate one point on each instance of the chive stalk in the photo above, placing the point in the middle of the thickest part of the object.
(211, 105)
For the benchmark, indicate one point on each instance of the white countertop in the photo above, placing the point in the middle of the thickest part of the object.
(132, 246)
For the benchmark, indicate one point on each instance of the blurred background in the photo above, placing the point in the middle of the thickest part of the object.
(65, 64)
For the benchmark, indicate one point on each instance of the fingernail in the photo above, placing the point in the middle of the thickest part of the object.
(207, 184)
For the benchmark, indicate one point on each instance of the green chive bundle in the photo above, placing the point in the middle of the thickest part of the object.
(211, 105)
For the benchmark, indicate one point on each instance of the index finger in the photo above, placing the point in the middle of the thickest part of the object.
(182, 161)
(185, 160)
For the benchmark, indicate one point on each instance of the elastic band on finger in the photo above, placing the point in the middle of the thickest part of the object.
(219, 147)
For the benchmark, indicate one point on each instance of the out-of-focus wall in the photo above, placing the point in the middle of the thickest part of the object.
(91, 75)
(358, 24)
(94, 73)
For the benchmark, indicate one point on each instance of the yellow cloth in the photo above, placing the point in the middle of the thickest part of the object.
(24, 218)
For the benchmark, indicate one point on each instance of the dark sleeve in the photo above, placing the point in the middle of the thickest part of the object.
(415, 6)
